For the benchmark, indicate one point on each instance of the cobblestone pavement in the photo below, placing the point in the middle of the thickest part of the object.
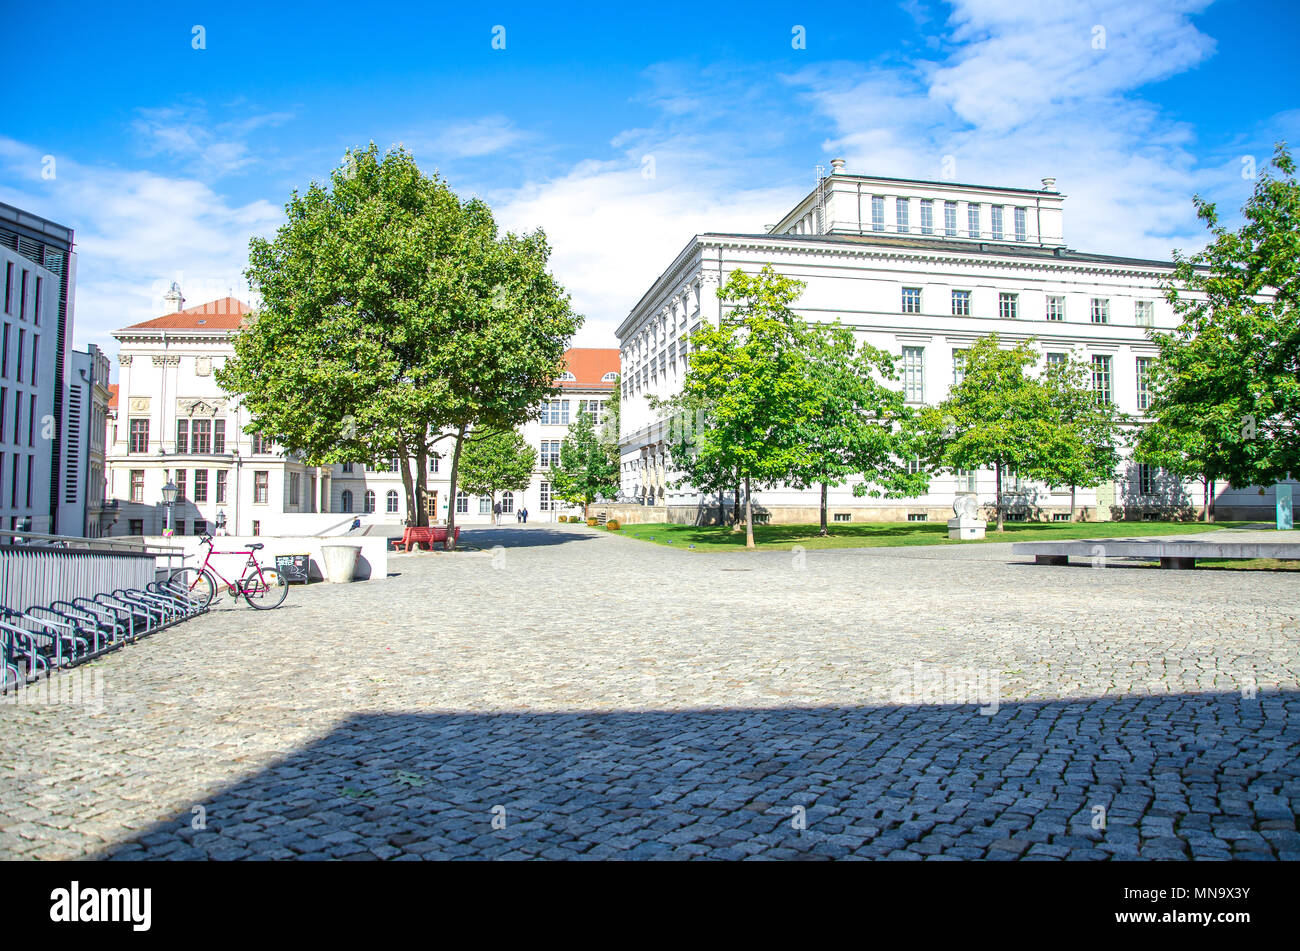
(576, 694)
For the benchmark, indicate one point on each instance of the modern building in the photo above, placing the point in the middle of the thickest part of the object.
(585, 385)
(39, 268)
(920, 269)
(82, 509)
(174, 423)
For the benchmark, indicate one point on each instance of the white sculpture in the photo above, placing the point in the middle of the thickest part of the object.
(967, 524)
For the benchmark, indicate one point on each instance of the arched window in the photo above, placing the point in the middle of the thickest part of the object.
(392, 501)
(462, 503)
(370, 500)
(347, 500)
(507, 503)
(609, 377)
(567, 377)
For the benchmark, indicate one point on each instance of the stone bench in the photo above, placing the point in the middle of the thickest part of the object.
(1171, 554)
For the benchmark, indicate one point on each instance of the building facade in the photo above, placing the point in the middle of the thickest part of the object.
(39, 275)
(82, 501)
(920, 270)
(174, 423)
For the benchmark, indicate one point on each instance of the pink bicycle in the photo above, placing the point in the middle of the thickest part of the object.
(262, 588)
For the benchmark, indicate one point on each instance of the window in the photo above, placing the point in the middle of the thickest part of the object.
(914, 465)
(4, 395)
(260, 444)
(1144, 365)
(973, 219)
(842, 516)
(555, 412)
(911, 300)
(966, 480)
(9, 287)
(370, 500)
(221, 485)
(137, 487)
(1100, 310)
(22, 298)
(200, 526)
(180, 483)
(31, 421)
(914, 374)
(484, 505)
(950, 219)
(200, 485)
(877, 212)
(201, 436)
(294, 487)
(1101, 377)
(566, 377)
(961, 303)
(257, 527)
(1144, 313)
(507, 503)
(261, 486)
(1020, 226)
(36, 302)
(996, 227)
(390, 501)
(22, 337)
(139, 440)
(545, 502)
(1146, 480)
(927, 216)
(550, 455)
(433, 463)
(182, 435)
(219, 436)
(901, 206)
(346, 500)
(1056, 359)
(958, 367)
(1055, 307)
(1008, 306)
(347, 467)
(462, 503)
(135, 526)
(611, 376)
(592, 407)
(918, 517)
(36, 366)
(4, 354)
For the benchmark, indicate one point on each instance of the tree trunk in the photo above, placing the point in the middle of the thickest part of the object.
(998, 500)
(408, 484)
(749, 516)
(722, 507)
(1072, 488)
(823, 511)
(422, 485)
(1209, 500)
(735, 506)
(450, 544)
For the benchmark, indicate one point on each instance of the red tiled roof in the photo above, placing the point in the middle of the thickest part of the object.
(112, 396)
(224, 314)
(588, 365)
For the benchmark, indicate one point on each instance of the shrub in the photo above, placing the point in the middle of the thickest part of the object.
(613, 525)
(563, 518)
(592, 523)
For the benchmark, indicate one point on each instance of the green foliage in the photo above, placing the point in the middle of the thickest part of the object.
(998, 416)
(1227, 382)
(1085, 447)
(586, 471)
(493, 462)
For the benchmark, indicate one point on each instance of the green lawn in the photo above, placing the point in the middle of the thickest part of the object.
(889, 534)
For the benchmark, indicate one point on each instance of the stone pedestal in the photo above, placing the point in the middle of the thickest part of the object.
(964, 527)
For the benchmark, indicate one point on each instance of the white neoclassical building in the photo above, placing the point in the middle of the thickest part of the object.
(919, 269)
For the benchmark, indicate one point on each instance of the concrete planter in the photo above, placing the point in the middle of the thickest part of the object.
(340, 562)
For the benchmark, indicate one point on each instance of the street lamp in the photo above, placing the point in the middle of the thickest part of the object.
(221, 521)
(169, 499)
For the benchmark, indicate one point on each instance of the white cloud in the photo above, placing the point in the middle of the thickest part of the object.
(468, 139)
(202, 145)
(135, 232)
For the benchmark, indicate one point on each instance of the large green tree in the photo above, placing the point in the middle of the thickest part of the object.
(855, 428)
(998, 415)
(1089, 431)
(1227, 382)
(394, 315)
(493, 462)
(586, 471)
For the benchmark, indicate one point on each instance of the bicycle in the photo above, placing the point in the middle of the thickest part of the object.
(263, 588)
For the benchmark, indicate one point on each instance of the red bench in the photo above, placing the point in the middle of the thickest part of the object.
(426, 535)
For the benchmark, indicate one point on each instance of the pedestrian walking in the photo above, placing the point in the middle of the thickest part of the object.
(524, 514)
(496, 513)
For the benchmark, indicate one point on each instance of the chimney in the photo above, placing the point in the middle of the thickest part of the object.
(174, 299)
(837, 166)
(1049, 184)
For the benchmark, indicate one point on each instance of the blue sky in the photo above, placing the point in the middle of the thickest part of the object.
(167, 158)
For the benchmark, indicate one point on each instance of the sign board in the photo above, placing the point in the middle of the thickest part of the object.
(293, 567)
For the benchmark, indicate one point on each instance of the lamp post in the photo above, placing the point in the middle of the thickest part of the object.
(221, 521)
(169, 499)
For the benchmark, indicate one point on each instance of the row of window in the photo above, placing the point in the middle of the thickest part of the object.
(261, 485)
(198, 436)
(974, 227)
(14, 462)
(391, 501)
(16, 436)
(21, 283)
(912, 371)
(20, 354)
(556, 412)
(1009, 307)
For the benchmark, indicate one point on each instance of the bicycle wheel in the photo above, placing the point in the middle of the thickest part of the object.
(265, 592)
(198, 582)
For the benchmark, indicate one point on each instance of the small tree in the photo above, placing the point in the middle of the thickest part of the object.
(997, 416)
(1084, 450)
(586, 471)
(493, 462)
(854, 428)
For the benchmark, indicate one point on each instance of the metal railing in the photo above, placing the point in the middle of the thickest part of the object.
(39, 569)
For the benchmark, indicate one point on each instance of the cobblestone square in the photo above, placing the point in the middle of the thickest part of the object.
(566, 693)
